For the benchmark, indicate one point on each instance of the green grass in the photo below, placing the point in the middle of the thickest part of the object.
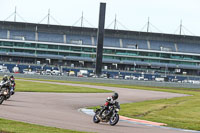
(28, 86)
(8, 126)
(165, 89)
(181, 112)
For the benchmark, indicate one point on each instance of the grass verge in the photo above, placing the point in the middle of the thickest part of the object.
(28, 86)
(9, 126)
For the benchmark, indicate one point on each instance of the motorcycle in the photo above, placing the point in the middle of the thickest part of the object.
(4, 93)
(110, 114)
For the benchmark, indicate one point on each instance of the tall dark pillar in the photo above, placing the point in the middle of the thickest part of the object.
(100, 37)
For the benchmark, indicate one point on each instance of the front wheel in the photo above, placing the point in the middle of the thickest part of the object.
(96, 119)
(2, 98)
(8, 96)
(114, 119)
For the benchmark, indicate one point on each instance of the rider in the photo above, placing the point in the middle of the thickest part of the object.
(6, 82)
(12, 82)
(109, 102)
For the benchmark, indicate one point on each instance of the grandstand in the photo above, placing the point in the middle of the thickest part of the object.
(76, 46)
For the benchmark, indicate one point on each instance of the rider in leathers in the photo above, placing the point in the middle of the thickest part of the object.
(12, 84)
(109, 102)
(5, 82)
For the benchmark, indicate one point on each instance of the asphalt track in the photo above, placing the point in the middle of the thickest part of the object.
(61, 109)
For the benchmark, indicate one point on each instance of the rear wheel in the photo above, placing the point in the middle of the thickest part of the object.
(2, 98)
(114, 119)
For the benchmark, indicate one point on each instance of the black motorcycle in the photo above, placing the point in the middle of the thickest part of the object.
(4, 93)
(110, 114)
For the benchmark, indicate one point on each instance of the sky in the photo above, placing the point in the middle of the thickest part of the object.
(164, 15)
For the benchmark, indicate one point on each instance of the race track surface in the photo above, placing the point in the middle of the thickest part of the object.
(61, 109)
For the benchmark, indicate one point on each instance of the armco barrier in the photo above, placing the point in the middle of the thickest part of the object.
(112, 81)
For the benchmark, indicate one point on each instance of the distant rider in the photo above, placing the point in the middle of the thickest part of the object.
(12, 83)
(5, 82)
(109, 102)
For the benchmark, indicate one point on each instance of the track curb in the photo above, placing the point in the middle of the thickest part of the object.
(91, 112)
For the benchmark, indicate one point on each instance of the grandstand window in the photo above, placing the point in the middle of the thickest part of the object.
(186, 57)
(120, 52)
(175, 62)
(164, 55)
(18, 44)
(130, 59)
(19, 50)
(64, 47)
(32, 45)
(107, 57)
(29, 51)
(5, 50)
(52, 53)
(76, 48)
(196, 57)
(126, 58)
(150, 60)
(143, 53)
(85, 55)
(41, 52)
(109, 51)
(42, 46)
(74, 54)
(53, 46)
(154, 54)
(176, 57)
(10, 44)
(131, 53)
(63, 54)
(164, 61)
(88, 49)
(189, 63)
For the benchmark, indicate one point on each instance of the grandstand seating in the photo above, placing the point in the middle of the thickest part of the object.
(131, 43)
(162, 46)
(50, 37)
(111, 42)
(189, 48)
(22, 35)
(3, 34)
(79, 39)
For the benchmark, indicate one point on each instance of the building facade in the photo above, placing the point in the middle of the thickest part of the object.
(76, 47)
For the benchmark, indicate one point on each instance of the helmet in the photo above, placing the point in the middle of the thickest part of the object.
(108, 99)
(115, 96)
(5, 78)
(11, 76)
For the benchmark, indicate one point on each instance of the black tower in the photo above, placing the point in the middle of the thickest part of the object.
(100, 38)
